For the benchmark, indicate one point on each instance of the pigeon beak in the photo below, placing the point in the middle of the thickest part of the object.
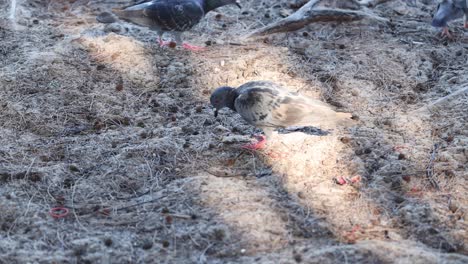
(216, 113)
(238, 5)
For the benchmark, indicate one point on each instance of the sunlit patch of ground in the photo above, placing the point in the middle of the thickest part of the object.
(246, 208)
(121, 53)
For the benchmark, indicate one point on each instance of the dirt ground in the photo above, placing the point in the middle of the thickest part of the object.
(100, 120)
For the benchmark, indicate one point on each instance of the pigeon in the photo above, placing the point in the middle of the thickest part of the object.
(269, 106)
(161, 16)
(448, 10)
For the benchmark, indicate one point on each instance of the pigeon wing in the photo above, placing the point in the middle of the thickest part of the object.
(257, 102)
(137, 3)
(254, 105)
(266, 104)
(178, 15)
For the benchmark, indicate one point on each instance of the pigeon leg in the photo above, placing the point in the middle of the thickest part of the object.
(261, 141)
(446, 32)
(192, 47)
(163, 43)
(178, 39)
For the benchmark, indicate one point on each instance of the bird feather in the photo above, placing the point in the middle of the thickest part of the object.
(265, 104)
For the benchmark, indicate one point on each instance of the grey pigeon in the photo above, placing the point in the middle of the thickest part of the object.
(448, 10)
(162, 16)
(269, 106)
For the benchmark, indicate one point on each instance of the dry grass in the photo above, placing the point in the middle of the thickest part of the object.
(119, 131)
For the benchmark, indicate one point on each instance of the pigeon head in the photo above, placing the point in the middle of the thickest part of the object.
(446, 11)
(223, 97)
(209, 5)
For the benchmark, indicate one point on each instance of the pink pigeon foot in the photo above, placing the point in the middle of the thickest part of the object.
(466, 24)
(258, 145)
(163, 43)
(445, 32)
(192, 47)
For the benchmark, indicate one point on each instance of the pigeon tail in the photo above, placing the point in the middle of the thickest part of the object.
(132, 16)
(126, 14)
(323, 115)
(327, 119)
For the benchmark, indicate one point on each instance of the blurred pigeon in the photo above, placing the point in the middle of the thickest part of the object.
(167, 15)
(448, 10)
(268, 106)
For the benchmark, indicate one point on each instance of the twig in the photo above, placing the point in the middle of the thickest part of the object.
(236, 44)
(202, 258)
(181, 216)
(223, 174)
(140, 203)
(373, 3)
(307, 14)
(12, 15)
(29, 168)
(73, 204)
(430, 168)
(391, 173)
(444, 100)
(134, 196)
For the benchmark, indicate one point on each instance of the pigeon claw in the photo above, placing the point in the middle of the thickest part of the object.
(466, 24)
(192, 47)
(258, 145)
(163, 43)
(446, 32)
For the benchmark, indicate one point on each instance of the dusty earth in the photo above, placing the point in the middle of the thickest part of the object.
(100, 120)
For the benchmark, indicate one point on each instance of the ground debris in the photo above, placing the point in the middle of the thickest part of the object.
(101, 121)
